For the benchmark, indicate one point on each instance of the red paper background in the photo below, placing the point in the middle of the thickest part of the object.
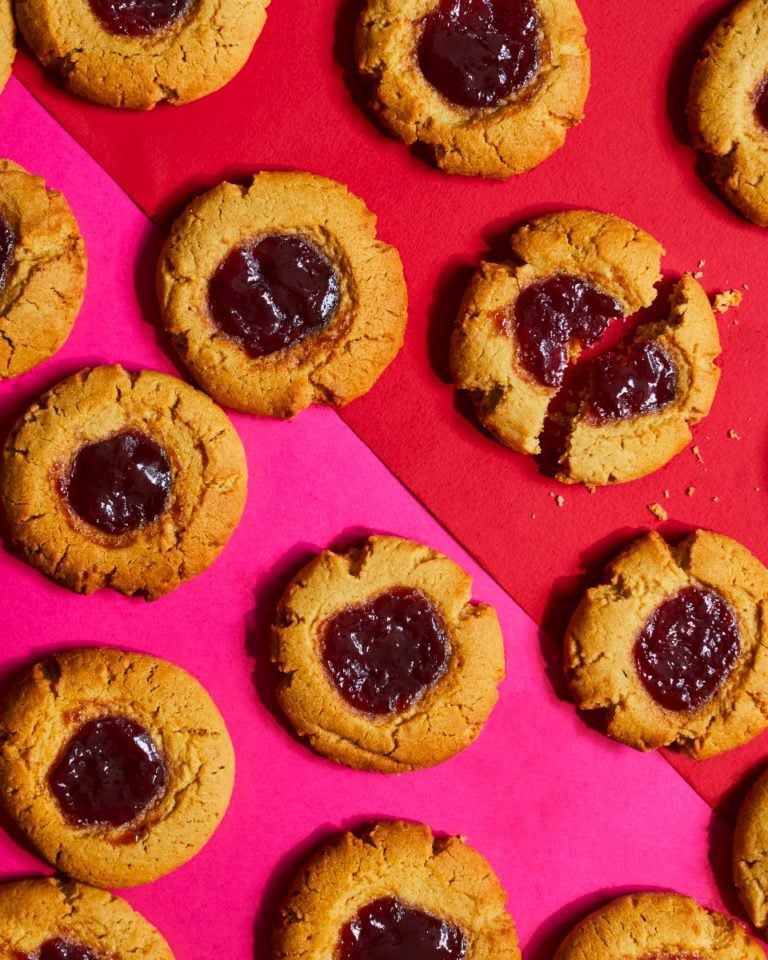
(297, 106)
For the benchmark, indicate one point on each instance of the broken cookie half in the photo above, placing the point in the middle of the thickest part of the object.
(610, 417)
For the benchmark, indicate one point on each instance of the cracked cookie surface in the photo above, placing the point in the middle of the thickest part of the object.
(208, 482)
(450, 710)
(52, 702)
(601, 646)
(750, 853)
(7, 41)
(334, 364)
(724, 113)
(621, 262)
(43, 281)
(36, 912)
(439, 875)
(658, 926)
(498, 141)
(193, 56)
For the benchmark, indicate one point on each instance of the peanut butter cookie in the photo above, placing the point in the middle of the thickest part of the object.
(672, 649)
(728, 108)
(489, 87)
(129, 481)
(117, 766)
(396, 890)
(385, 664)
(138, 53)
(42, 269)
(523, 325)
(7, 41)
(750, 853)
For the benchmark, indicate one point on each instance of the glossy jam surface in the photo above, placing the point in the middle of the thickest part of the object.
(761, 104)
(7, 246)
(138, 18)
(384, 654)
(687, 648)
(59, 949)
(119, 484)
(549, 314)
(477, 53)
(632, 382)
(271, 294)
(108, 773)
(388, 930)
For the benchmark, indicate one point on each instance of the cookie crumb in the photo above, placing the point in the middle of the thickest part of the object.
(697, 453)
(658, 511)
(667, 494)
(715, 499)
(702, 263)
(733, 435)
(725, 300)
(560, 500)
(590, 487)
(689, 491)
(698, 275)
(533, 516)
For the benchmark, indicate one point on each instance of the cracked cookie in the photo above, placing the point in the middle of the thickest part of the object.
(7, 41)
(117, 766)
(522, 327)
(728, 108)
(134, 481)
(42, 270)
(658, 926)
(395, 890)
(750, 853)
(672, 648)
(55, 919)
(278, 295)
(489, 87)
(384, 662)
(138, 53)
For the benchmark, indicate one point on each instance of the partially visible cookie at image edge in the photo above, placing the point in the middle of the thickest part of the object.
(7, 41)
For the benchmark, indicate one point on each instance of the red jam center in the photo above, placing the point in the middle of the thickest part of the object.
(479, 52)
(138, 18)
(761, 104)
(388, 930)
(687, 648)
(59, 949)
(108, 773)
(119, 484)
(384, 654)
(551, 313)
(270, 294)
(632, 382)
(7, 246)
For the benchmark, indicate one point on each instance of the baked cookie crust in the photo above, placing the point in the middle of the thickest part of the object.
(440, 875)
(334, 365)
(45, 282)
(7, 42)
(196, 55)
(750, 853)
(35, 911)
(208, 482)
(65, 691)
(449, 715)
(622, 261)
(600, 639)
(651, 926)
(721, 108)
(497, 142)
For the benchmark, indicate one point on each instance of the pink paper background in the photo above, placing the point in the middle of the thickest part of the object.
(565, 817)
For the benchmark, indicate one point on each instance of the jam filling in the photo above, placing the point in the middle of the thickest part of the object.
(383, 655)
(108, 773)
(687, 648)
(631, 382)
(388, 930)
(273, 292)
(119, 484)
(138, 18)
(549, 314)
(59, 949)
(477, 53)
(7, 246)
(761, 104)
